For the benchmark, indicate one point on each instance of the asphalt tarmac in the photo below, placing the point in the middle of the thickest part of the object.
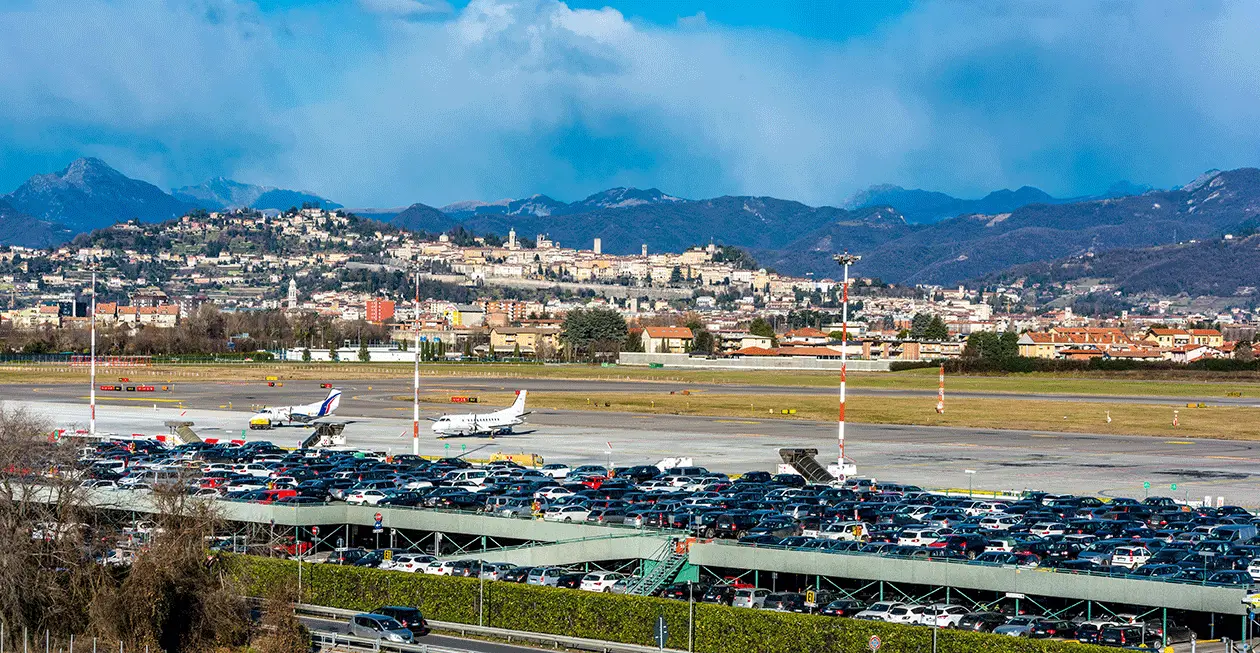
(932, 457)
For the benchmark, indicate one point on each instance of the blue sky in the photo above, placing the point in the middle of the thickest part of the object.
(388, 102)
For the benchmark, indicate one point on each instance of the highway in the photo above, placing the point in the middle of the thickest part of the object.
(453, 643)
(933, 457)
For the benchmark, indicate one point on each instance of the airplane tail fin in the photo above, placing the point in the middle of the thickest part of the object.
(329, 406)
(518, 406)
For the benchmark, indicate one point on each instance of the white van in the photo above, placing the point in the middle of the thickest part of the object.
(477, 476)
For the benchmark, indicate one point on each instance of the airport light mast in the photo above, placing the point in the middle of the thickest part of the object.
(415, 385)
(845, 260)
(92, 363)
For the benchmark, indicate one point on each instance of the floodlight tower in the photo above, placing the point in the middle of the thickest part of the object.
(845, 260)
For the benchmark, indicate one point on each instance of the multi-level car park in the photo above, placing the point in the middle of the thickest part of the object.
(1111, 571)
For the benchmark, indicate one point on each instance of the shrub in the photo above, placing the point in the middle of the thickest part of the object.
(613, 617)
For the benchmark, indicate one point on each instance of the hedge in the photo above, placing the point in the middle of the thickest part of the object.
(613, 617)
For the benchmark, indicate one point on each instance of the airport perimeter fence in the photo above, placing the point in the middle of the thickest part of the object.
(700, 627)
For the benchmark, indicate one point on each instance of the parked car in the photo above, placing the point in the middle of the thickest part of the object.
(410, 618)
(749, 598)
(981, 622)
(877, 611)
(601, 581)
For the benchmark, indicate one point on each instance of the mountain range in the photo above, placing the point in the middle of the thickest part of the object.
(905, 236)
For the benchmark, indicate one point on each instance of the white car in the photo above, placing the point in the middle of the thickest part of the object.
(567, 513)
(409, 562)
(749, 598)
(600, 581)
(365, 497)
(878, 611)
(943, 615)
(916, 537)
(556, 470)
(553, 493)
(439, 568)
(417, 484)
(1131, 557)
(906, 614)
(845, 530)
(1047, 529)
(1254, 569)
(998, 522)
(254, 469)
(495, 570)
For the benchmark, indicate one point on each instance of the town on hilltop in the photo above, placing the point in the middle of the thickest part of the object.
(488, 296)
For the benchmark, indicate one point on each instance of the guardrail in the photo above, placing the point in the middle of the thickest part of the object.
(504, 634)
(321, 639)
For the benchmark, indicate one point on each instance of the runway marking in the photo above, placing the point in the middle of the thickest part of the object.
(1178, 442)
(147, 400)
(752, 435)
(1229, 458)
(735, 421)
(957, 444)
(1048, 437)
(642, 416)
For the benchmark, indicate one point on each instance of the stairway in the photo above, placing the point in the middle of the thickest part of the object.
(670, 558)
(802, 460)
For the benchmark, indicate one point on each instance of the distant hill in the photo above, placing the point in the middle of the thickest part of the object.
(923, 207)
(221, 193)
(421, 217)
(17, 228)
(89, 194)
(969, 247)
(1214, 267)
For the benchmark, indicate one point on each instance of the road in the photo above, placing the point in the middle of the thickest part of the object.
(455, 643)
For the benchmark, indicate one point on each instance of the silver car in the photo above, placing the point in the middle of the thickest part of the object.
(378, 626)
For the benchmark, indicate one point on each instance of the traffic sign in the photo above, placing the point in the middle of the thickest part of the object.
(388, 554)
(1146, 484)
(314, 530)
(377, 528)
(874, 643)
(1173, 486)
(662, 632)
(810, 598)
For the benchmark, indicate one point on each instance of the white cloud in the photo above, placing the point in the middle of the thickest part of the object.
(510, 98)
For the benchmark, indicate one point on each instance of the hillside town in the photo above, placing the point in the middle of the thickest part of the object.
(492, 296)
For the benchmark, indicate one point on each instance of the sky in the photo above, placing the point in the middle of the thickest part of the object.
(376, 103)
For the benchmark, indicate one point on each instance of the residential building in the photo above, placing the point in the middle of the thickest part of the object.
(667, 340)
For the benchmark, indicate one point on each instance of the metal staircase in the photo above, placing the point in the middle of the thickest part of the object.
(669, 559)
(802, 460)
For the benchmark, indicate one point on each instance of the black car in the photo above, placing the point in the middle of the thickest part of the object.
(842, 608)
(981, 622)
(516, 575)
(720, 594)
(410, 618)
(1125, 636)
(785, 602)
(1047, 628)
(571, 581)
(681, 591)
(735, 523)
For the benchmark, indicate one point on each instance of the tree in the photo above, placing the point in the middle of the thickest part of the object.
(1243, 351)
(516, 351)
(936, 329)
(333, 354)
(919, 326)
(676, 275)
(365, 356)
(760, 327)
(306, 355)
(593, 330)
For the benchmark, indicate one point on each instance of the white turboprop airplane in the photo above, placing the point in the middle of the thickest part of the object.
(500, 422)
(288, 415)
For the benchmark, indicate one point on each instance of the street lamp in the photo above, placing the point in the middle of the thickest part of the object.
(971, 473)
(845, 260)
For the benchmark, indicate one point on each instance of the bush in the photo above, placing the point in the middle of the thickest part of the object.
(613, 617)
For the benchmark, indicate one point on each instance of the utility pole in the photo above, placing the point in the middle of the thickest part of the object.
(845, 260)
(415, 386)
(92, 363)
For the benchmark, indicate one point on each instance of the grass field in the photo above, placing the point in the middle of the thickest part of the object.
(1231, 423)
(1178, 384)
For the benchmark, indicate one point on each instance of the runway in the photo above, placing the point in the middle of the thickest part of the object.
(931, 457)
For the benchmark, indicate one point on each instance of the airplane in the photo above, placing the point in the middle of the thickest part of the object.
(500, 422)
(268, 418)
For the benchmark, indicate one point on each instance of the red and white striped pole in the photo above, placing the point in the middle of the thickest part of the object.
(844, 260)
(415, 384)
(92, 381)
(940, 394)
